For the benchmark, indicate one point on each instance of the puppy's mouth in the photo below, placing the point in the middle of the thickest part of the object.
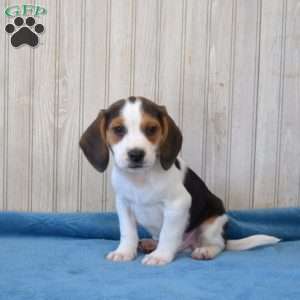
(136, 166)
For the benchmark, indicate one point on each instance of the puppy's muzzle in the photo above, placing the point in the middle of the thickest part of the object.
(136, 157)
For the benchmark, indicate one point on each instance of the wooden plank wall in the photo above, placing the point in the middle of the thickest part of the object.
(228, 71)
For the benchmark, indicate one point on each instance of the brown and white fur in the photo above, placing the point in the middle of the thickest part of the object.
(154, 187)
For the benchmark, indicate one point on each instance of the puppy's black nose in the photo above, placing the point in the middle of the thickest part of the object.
(136, 155)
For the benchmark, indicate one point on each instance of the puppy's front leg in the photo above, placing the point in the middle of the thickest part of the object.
(127, 248)
(170, 238)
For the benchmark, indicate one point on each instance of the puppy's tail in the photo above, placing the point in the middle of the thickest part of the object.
(251, 242)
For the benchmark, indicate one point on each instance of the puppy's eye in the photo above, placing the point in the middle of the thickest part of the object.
(119, 130)
(151, 130)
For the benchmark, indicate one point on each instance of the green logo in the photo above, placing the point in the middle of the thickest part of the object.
(25, 10)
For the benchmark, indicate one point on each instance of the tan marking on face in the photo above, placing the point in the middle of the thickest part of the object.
(111, 136)
(152, 129)
(210, 220)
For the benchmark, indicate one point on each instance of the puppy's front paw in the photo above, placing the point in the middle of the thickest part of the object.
(118, 255)
(157, 259)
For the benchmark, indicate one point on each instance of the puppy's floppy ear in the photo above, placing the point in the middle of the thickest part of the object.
(172, 141)
(93, 144)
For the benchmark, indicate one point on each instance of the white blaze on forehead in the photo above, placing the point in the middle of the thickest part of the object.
(132, 115)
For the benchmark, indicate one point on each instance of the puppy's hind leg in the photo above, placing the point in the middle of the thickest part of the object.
(147, 245)
(210, 240)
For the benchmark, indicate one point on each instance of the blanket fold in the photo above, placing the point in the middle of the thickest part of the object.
(282, 223)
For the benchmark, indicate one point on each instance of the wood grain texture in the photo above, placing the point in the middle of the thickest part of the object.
(19, 127)
(193, 109)
(43, 124)
(289, 163)
(120, 49)
(219, 96)
(228, 72)
(145, 48)
(243, 109)
(96, 47)
(171, 33)
(68, 114)
(269, 103)
(3, 106)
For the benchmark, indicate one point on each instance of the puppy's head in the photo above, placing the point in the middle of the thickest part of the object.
(137, 132)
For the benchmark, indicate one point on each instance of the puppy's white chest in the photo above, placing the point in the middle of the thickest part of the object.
(147, 206)
(144, 200)
(149, 216)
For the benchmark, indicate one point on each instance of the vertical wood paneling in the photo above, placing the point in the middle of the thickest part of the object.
(243, 103)
(146, 40)
(43, 112)
(120, 79)
(219, 96)
(120, 54)
(3, 105)
(228, 72)
(19, 126)
(269, 103)
(194, 82)
(289, 165)
(170, 56)
(96, 46)
(68, 105)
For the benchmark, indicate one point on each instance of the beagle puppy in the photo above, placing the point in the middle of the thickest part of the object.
(155, 188)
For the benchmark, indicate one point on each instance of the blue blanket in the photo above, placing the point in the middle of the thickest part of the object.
(61, 256)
